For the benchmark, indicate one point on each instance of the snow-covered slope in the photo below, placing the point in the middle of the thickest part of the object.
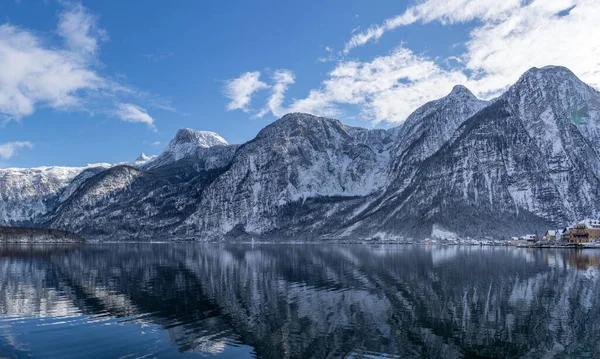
(522, 163)
(147, 200)
(28, 193)
(426, 131)
(433, 124)
(298, 158)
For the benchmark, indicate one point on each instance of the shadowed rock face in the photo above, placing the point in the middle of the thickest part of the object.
(524, 162)
(321, 301)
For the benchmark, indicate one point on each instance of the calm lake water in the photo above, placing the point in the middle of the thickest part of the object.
(297, 301)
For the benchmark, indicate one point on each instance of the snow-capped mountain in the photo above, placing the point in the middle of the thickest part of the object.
(526, 161)
(187, 143)
(298, 158)
(523, 161)
(143, 158)
(26, 194)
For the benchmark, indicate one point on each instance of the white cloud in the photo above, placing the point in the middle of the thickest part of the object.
(33, 74)
(132, 113)
(535, 35)
(445, 11)
(387, 88)
(38, 73)
(7, 150)
(512, 36)
(330, 55)
(156, 143)
(241, 89)
(80, 29)
(282, 79)
(509, 38)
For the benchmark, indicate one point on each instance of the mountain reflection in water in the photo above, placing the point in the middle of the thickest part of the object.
(297, 301)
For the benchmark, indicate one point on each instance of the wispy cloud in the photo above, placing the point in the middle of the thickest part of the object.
(241, 89)
(158, 56)
(387, 88)
(535, 35)
(509, 38)
(33, 74)
(7, 150)
(39, 73)
(132, 113)
(446, 11)
(281, 79)
(331, 56)
(80, 29)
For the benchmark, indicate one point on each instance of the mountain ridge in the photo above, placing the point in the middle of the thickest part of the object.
(523, 161)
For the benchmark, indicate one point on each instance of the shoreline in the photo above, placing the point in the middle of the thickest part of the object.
(325, 242)
(37, 235)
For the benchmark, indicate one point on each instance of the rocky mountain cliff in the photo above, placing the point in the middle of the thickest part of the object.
(524, 161)
(273, 181)
(528, 160)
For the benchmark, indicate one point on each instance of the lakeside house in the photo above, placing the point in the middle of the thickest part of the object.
(585, 231)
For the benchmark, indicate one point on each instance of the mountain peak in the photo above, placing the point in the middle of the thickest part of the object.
(296, 120)
(302, 118)
(303, 125)
(203, 139)
(460, 98)
(185, 143)
(549, 69)
(143, 158)
(543, 75)
(460, 90)
(551, 84)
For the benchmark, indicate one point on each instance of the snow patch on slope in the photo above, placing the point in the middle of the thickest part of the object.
(441, 233)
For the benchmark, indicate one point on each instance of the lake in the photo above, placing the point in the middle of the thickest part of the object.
(297, 301)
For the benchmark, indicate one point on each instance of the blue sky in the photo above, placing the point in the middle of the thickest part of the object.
(102, 81)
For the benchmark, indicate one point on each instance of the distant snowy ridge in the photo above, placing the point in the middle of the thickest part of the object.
(458, 166)
(26, 193)
(142, 158)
